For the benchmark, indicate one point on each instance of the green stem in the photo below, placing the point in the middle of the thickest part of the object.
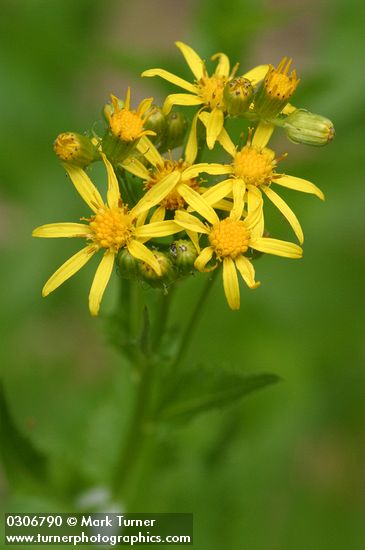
(136, 433)
(193, 320)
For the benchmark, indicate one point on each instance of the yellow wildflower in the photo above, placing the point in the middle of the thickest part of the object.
(111, 227)
(126, 124)
(206, 91)
(229, 240)
(252, 171)
(276, 90)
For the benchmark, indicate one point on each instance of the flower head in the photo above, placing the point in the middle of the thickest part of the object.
(207, 90)
(111, 227)
(126, 124)
(276, 90)
(75, 149)
(229, 241)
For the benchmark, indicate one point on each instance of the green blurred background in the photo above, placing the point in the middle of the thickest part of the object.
(283, 469)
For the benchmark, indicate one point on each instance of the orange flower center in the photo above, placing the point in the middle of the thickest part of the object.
(126, 125)
(111, 227)
(229, 238)
(254, 166)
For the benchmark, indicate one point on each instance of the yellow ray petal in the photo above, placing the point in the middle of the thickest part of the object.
(127, 101)
(194, 237)
(247, 271)
(69, 268)
(209, 168)
(256, 74)
(191, 149)
(298, 184)
(214, 127)
(192, 59)
(84, 186)
(141, 252)
(223, 137)
(135, 167)
(166, 75)
(262, 134)
(157, 229)
(113, 194)
(141, 218)
(55, 230)
(144, 106)
(100, 281)
(159, 214)
(277, 247)
(238, 192)
(230, 283)
(225, 205)
(189, 222)
(218, 191)
(204, 257)
(223, 67)
(288, 109)
(286, 211)
(149, 151)
(180, 99)
(157, 193)
(198, 203)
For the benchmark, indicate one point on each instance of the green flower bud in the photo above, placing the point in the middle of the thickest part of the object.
(75, 149)
(157, 123)
(127, 265)
(150, 276)
(237, 95)
(302, 126)
(183, 254)
(175, 130)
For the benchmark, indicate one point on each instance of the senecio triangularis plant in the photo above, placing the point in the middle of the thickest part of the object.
(167, 214)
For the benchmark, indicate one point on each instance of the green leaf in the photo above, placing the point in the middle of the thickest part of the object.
(202, 390)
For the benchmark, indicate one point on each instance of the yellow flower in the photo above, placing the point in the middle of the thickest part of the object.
(251, 173)
(276, 89)
(111, 227)
(229, 240)
(128, 125)
(206, 90)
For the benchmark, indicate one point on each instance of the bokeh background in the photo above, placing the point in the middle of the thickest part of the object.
(283, 469)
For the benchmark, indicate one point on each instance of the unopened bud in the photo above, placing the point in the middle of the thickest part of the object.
(237, 95)
(127, 265)
(157, 123)
(183, 254)
(302, 126)
(148, 274)
(76, 149)
(175, 130)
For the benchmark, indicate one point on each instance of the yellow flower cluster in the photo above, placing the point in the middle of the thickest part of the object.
(152, 195)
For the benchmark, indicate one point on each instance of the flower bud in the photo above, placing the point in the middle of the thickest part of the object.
(76, 149)
(237, 95)
(175, 130)
(150, 276)
(127, 265)
(183, 254)
(302, 126)
(157, 123)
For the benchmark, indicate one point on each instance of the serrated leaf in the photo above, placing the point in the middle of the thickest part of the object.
(199, 391)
